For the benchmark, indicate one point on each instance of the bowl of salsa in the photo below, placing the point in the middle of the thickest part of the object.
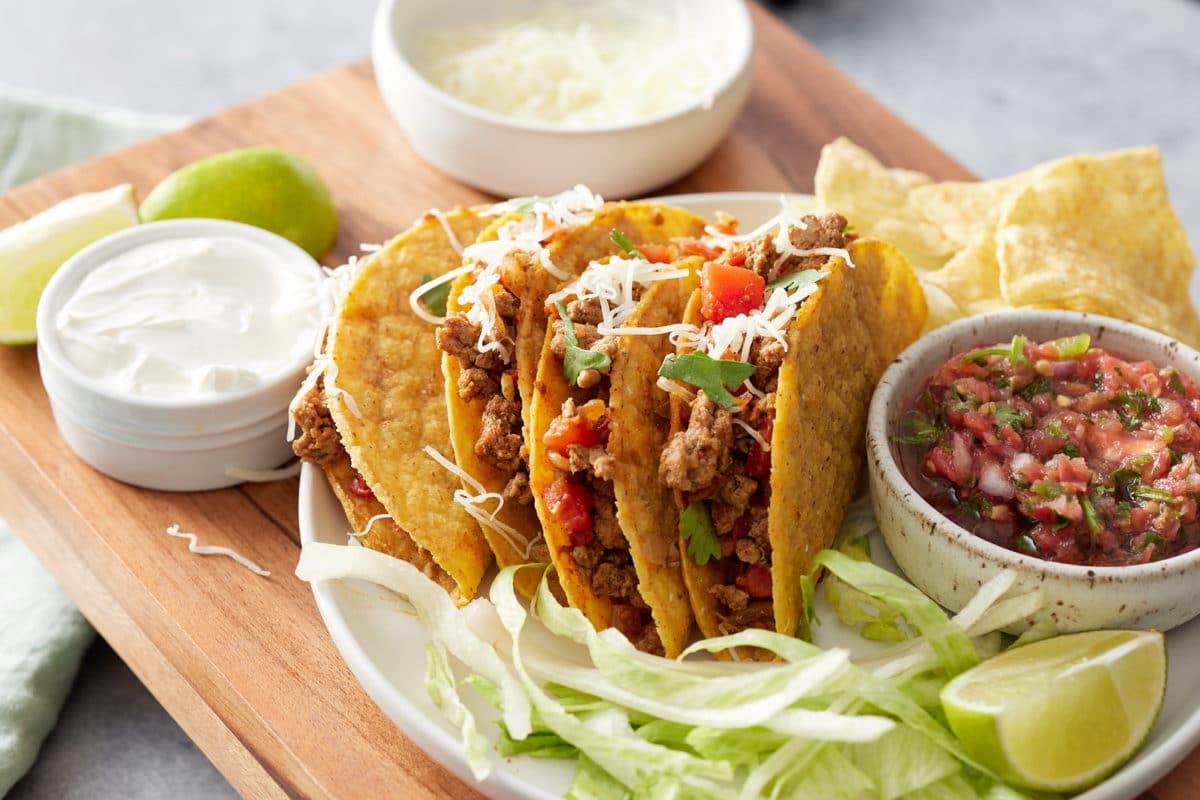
(1058, 444)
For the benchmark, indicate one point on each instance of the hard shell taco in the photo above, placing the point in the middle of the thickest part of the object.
(492, 339)
(374, 400)
(597, 423)
(792, 326)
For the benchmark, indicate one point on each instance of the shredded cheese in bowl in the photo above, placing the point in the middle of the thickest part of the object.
(598, 64)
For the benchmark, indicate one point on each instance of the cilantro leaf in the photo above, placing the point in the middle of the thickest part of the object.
(576, 359)
(1007, 415)
(1035, 387)
(435, 298)
(622, 241)
(1175, 382)
(796, 280)
(918, 431)
(696, 528)
(714, 376)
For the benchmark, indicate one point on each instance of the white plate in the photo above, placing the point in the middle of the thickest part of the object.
(384, 644)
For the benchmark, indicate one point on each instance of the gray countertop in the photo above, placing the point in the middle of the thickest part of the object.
(999, 85)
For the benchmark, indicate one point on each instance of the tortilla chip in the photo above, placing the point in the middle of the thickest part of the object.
(387, 361)
(970, 282)
(1098, 234)
(875, 200)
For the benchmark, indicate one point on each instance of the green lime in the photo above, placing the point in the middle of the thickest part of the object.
(262, 186)
(1061, 714)
(33, 250)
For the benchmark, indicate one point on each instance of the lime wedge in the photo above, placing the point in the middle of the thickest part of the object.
(1061, 714)
(31, 251)
(261, 186)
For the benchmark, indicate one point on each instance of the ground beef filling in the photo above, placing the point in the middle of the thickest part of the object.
(582, 492)
(715, 461)
(319, 442)
(491, 376)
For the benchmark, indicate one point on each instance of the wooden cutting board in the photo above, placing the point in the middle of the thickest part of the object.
(244, 663)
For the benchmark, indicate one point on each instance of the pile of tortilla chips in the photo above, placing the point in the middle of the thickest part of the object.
(1090, 233)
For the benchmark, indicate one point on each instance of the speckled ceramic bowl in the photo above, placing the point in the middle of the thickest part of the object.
(947, 562)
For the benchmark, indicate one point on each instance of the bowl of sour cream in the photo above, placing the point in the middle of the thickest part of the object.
(170, 351)
(528, 96)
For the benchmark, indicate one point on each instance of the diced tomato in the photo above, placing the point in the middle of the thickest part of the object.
(566, 431)
(755, 581)
(657, 253)
(572, 504)
(737, 259)
(758, 461)
(695, 247)
(359, 488)
(728, 291)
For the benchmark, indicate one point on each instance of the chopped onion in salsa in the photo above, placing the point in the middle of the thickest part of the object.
(1060, 450)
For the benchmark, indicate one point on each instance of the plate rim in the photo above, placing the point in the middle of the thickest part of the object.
(445, 748)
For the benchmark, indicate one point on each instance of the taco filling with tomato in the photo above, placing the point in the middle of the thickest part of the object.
(610, 525)
(793, 311)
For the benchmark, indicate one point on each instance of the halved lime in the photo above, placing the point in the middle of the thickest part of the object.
(1061, 714)
(31, 251)
(261, 186)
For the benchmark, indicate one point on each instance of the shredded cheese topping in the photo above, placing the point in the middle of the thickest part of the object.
(676, 388)
(473, 504)
(755, 435)
(367, 528)
(334, 289)
(214, 550)
(540, 219)
(450, 234)
(613, 282)
(582, 65)
(734, 337)
(414, 297)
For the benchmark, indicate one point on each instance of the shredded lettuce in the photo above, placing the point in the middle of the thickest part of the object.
(435, 609)
(813, 724)
(948, 640)
(443, 691)
(873, 619)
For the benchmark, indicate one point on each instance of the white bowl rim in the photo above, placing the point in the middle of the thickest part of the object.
(50, 349)
(385, 35)
(898, 374)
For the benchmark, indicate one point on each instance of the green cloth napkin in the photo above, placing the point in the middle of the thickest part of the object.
(42, 635)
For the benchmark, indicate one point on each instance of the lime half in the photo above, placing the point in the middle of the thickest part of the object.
(1061, 714)
(31, 251)
(261, 186)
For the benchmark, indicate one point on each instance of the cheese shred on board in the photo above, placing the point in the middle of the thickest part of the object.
(603, 64)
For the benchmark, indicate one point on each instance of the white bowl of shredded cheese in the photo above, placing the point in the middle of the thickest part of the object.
(527, 96)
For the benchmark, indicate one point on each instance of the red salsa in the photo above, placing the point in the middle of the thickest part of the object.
(1060, 450)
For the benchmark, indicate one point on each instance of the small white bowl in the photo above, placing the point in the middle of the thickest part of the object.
(949, 563)
(510, 157)
(173, 444)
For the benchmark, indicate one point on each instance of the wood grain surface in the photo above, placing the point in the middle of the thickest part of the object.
(245, 664)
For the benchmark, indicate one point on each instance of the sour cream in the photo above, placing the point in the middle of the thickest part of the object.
(190, 317)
